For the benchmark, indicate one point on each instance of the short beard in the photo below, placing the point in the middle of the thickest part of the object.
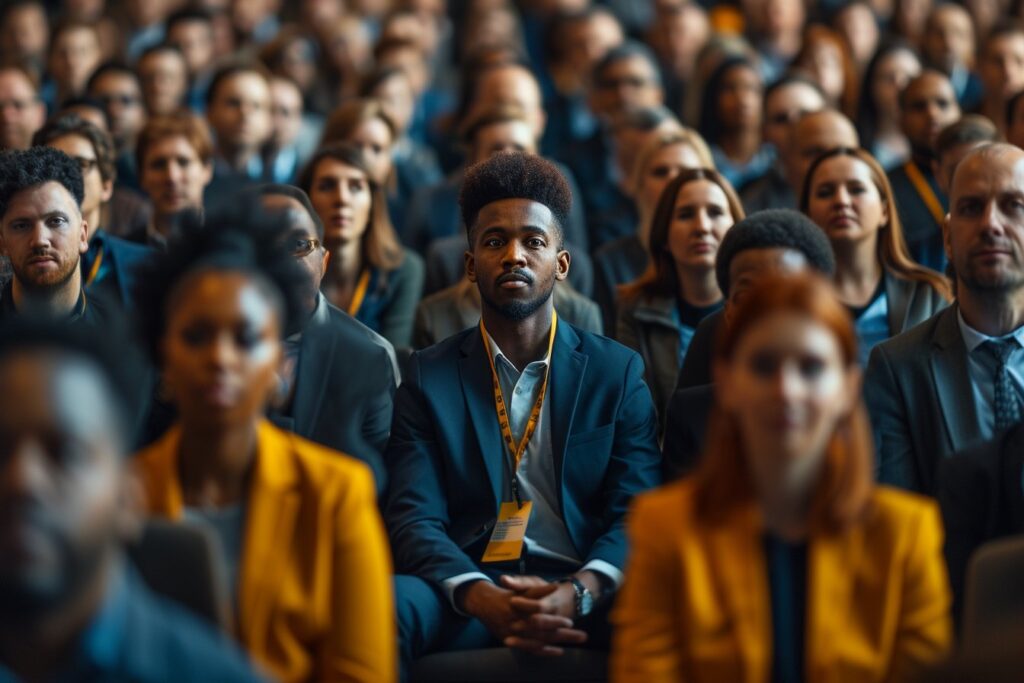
(35, 288)
(517, 311)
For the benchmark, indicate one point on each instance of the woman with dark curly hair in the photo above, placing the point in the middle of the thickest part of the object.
(305, 552)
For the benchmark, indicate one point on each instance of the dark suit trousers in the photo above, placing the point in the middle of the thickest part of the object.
(427, 623)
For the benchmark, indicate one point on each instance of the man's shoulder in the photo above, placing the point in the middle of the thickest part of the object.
(128, 251)
(915, 342)
(164, 643)
(604, 350)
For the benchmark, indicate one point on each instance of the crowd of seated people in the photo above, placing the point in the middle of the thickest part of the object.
(409, 340)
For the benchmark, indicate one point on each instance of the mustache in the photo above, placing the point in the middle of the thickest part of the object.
(517, 275)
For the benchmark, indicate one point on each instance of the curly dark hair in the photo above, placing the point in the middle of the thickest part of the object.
(73, 124)
(515, 175)
(775, 229)
(239, 239)
(24, 169)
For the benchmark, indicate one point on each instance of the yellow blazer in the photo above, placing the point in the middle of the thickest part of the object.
(695, 605)
(315, 598)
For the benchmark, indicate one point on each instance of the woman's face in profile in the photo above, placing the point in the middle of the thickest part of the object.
(221, 349)
(787, 386)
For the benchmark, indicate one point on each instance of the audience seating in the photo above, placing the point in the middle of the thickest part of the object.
(505, 665)
(994, 593)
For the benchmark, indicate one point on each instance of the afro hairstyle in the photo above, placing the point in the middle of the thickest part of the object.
(515, 175)
(775, 229)
(24, 169)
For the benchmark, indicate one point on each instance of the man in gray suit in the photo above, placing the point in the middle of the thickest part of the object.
(958, 378)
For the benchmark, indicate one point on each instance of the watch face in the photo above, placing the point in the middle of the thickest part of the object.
(586, 603)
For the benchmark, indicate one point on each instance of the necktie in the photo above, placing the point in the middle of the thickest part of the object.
(1007, 405)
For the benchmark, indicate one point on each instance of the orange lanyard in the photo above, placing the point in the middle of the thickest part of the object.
(925, 191)
(95, 270)
(359, 294)
(517, 451)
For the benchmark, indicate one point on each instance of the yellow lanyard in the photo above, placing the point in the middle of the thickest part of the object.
(924, 190)
(359, 294)
(517, 451)
(95, 270)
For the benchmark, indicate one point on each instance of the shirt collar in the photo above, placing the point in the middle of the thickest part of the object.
(497, 356)
(973, 339)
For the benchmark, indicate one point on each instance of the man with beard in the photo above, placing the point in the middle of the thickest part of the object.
(70, 607)
(44, 235)
(927, 105)
(516, 445)
(957, 379)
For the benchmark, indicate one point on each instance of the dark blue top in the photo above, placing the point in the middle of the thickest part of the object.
(787, 583)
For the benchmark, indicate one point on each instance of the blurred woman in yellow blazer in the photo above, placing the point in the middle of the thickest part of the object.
(306, 554)
(779, 560)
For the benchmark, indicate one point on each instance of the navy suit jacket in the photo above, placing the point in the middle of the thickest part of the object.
(446, 458)
(125, 258)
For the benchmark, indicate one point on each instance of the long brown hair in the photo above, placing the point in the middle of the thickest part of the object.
(723, 478)
(892, 247)
(381, 247)
(660, 278)
(818, 33)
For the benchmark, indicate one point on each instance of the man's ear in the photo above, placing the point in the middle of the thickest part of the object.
(323, 264)
(83, 245)
(470, 266)
(107, 192)
(564, 259)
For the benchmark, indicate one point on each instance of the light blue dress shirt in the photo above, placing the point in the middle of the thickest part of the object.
(981, 367)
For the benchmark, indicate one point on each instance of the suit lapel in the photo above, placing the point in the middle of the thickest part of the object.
(316, 356)
(742, 583)
(477, 388)
(831, 573)
(897, 296)
(568, 367)
(953, 382)
(273, 503)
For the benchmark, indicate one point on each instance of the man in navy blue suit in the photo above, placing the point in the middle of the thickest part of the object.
(517, 445)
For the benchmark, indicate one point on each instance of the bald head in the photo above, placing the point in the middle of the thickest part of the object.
(511, 84)
(987, 162)
(813, 135)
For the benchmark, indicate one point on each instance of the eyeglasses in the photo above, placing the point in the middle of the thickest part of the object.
(303, 247)
(85, 164)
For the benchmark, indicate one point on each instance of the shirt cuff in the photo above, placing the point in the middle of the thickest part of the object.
(450, 586)
(605, 569)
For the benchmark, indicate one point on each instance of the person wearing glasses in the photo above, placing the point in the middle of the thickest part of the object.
(369, 274)
(338, 376)
(110, 263)
(116, 87)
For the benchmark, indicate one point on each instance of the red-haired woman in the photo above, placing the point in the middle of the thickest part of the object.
(779, 559)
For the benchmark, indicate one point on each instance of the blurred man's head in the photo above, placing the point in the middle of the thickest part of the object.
(949, 38)
(811, 136)
(502, 128)
(285, 112)
(238, 110)
(785, 102)
(22, 113)
(510, 84)
(66, 498)
(175, 162)
(680, 32)
(928, 104)
(191, 31)
(163, 75)
(1001, 64)
(626, 78)
(74, 54)
(24, 33)
(116, 87)
(956, 141)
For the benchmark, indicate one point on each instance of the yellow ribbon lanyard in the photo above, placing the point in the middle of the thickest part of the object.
(925, 191)
(359, 294)
(517, 451)
(95, 270)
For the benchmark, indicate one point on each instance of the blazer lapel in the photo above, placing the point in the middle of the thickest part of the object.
(953, 382)
(273, 503)
(831, 572)
(897, 296)
(316, 356)
(742, 583)
(568, 367)
(477, 388)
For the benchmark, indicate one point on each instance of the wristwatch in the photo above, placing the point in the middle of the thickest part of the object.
(584, 598)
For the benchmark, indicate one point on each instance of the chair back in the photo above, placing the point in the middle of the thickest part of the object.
(994, 592)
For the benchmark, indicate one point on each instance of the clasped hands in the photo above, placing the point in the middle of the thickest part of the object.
(526, 612)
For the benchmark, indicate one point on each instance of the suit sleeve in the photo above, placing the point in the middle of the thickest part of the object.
(646, 645)
(634, 465)
(894, 450)
(924, 635)
(417, 511)
(377, 418)
(361, 643)
(397, 321)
